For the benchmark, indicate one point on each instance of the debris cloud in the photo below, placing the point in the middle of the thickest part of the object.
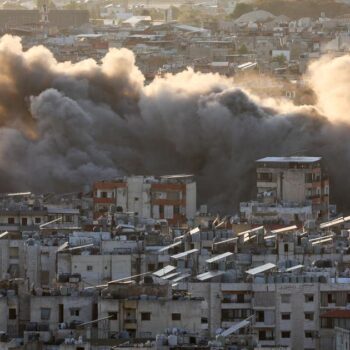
(66, 124)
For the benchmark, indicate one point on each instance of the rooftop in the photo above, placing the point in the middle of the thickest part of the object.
(289, 160)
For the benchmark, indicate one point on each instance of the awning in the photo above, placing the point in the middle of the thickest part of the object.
(184, 254)
(260, 269)
(219, 257)
(164, 271)
(209, 275)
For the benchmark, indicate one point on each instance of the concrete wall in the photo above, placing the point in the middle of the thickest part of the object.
(84, 304)
(139, 196)
(160, 315)
(97, 269)
(293, 186)
(191, 200)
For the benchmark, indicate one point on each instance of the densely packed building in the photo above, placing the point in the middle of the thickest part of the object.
(75, 275)
(135, 261)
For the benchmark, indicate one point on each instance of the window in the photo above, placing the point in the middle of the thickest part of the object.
(331, 298)
(45, 313)
(11, 221)
(113, 315)
(37, 220)
(285, 316)
(308, 334)
(13, 270)
(260, 316)
(89, 268)
(262, 335)
(285, 334)
(74, 311)
(151, 267)
(24, 221)
(145, 316)
(173, 195)
(45, 277)
(176, 317)
(12, 314)
(68, 218)
(176, 209)
(308, 177)
(309, 298)
(266, 335)
(240, 298)
(285, 298)
(265, 177)
(14, 252)
(327, 322)
(104, 195)
(309, 316)
(204, 320)
(230, 315)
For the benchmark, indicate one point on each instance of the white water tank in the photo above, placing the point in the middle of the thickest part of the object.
(172, 340)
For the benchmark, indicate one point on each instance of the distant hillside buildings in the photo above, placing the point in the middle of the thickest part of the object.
(10, 19)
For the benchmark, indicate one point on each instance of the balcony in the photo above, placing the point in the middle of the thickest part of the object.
(225, 305)
(42, 336)
(264, 307)
(264, 325)
(267, 342)
(130, 323)
(102, 200)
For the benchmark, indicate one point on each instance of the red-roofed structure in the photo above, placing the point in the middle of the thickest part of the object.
(336, 314)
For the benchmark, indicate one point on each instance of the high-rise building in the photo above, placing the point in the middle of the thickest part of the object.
(289, 189)
(165, 197)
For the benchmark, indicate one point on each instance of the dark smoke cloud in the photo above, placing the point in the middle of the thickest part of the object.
(63, 125)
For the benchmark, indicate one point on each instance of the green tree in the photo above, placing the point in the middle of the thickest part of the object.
(243, 50)
(280, 59)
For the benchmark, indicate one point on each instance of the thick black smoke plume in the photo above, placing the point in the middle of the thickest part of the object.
(63, 125)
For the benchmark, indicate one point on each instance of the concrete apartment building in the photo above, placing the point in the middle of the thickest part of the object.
(22, 217)
(165, 197)
(31, 259)
(144, 317)
(262, 281)
(220, 285)
(289, 189)
(286, 315)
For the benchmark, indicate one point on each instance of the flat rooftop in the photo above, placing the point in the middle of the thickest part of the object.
(289, 160)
